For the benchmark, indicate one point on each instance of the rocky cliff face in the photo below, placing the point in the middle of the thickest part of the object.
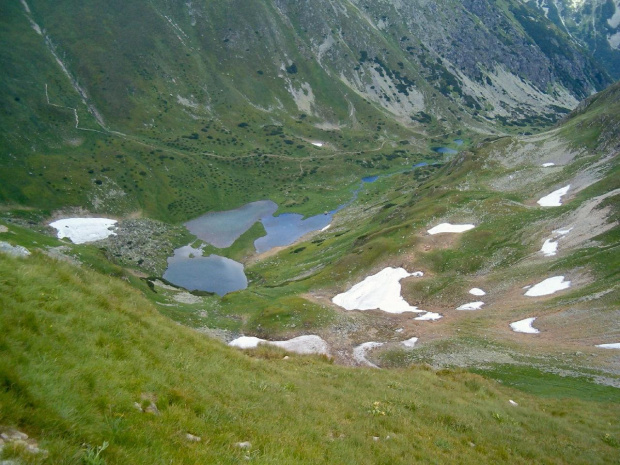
(594, 24)
(414, 61)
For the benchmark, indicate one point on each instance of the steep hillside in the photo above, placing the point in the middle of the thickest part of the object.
(154, 106)
(92, 374)
(594, 23)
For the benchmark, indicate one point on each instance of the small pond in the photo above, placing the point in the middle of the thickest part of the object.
(189, 269)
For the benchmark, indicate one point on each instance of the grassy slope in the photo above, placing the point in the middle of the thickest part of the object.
(198, 117)
(80, 348)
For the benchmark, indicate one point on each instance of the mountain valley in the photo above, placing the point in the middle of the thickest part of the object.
(340, 231)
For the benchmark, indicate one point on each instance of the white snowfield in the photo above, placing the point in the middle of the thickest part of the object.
(301, 345)
(410, 343)
(83, 230)
(450, 228)
(380, 291)
(524, 326)
(477, 291)
(549, 248)
(555, 198)
(471, 306)
(317, 144)
(615, 345)
(359, 353)
(548, 286)
(547, 165)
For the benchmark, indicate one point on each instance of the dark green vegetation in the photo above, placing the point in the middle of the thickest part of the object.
(80, 350)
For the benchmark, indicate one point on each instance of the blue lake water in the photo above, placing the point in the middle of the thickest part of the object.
(445, 150)
(222, 229)
(458, 141)
(286, 228)
(189, 269)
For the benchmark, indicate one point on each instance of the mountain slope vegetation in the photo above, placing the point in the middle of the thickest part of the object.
(80, 350)
(154, 106)
(383, 121)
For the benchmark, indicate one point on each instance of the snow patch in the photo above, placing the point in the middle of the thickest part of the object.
(410, 342)
(554, 199)
(477, 291)
(471, 306)
(83, 230)
(450, 228)
(429, 316)
(301, 345)
(380, 291)
(549, 248)
(359, 353)
(524, 326)
(615, 345)
(326, 227)
(547, 165)
(317, 144)
(614, 21)
(614, 40)
(548, 286)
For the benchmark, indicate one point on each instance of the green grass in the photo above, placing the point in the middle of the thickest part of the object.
(543, 384)
(79, 349)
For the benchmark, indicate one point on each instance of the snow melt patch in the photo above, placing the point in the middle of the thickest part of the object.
(549, 248)
(547, 165)
(555, 198)
(301, 345)
(326, 227)
(471, 306)
(380, 291)
(83, 230)
(477, 291)
(428, 316)
(359, 353)
(317, 144)
(548, 286)
(450, 228)
(524, 326)
(410, 342)
(615, 345)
